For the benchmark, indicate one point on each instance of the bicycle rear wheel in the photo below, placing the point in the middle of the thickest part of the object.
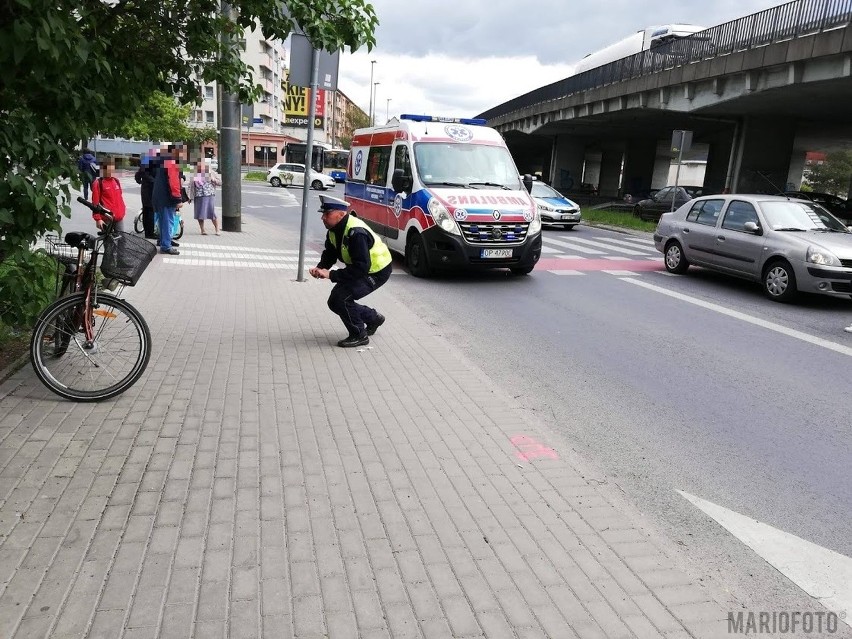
(75, 369)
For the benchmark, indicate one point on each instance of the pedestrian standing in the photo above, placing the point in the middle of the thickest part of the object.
(145, 178)
(368, 266)
(106, 191)
(166, 197)
(204, 185)
(87, 164)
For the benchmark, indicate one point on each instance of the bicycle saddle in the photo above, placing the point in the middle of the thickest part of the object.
(78, 240)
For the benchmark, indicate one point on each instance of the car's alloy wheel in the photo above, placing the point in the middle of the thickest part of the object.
(275, 181)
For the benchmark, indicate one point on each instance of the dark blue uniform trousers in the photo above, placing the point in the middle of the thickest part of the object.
(342, 301)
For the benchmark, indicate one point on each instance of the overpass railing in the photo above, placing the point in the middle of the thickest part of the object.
(784, 22)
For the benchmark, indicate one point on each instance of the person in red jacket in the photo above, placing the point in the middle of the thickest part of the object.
(106, 191)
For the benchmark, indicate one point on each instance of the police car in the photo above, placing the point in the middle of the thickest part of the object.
(554, 208)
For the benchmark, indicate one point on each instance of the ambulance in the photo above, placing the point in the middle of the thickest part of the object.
(445, 193)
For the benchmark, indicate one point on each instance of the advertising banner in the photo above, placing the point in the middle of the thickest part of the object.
(297, 107)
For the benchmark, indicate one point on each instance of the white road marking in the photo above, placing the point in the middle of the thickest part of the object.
(567, 272)
(617, 258)
(811, 339)
(230, 263)
(619, 273)
(571, 257)
(611, 247)
(822, 573)
(573, 247)
(547, 249)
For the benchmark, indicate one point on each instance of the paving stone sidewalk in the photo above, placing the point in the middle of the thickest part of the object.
(258, 481)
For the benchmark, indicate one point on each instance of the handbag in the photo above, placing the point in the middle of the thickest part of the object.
(184, 196)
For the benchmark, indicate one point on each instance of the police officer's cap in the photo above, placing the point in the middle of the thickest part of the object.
(329, 203)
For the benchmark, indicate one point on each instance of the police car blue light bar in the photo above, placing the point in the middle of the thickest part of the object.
(435, 118)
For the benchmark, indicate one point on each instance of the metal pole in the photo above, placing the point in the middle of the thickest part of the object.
(372, 66)
(387, 110)
(309, 156)
(229, 145)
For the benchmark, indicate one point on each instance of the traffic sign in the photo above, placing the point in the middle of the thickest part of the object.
(257, 120)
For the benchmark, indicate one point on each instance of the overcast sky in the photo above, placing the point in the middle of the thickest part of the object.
(458, 58)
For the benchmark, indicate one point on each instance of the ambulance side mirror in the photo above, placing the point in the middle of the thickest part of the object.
(399, 182)
(528, 182)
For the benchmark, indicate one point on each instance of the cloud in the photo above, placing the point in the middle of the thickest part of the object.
(451, 58)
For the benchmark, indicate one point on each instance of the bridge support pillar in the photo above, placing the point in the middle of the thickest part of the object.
(639, 162)
(568, 159)
(763, 158)
(719, 173)
(610, 175)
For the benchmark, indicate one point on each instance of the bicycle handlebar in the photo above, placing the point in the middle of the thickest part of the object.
(96, 208)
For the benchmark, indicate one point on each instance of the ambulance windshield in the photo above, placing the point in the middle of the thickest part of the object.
(477, 166)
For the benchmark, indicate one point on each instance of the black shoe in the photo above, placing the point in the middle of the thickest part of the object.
(152, 237)
(171, 251)
(372, 327)
(354, 340)
(175, 243)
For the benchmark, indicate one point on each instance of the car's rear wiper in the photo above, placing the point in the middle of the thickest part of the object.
(502, 186)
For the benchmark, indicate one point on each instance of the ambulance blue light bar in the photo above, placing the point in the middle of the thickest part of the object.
(436, 118)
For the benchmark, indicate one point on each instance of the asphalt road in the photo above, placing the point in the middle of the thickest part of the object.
(716, 391)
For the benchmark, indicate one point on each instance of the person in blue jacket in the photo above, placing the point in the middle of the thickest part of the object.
(166, 196)
(368, 266)
(87, 164)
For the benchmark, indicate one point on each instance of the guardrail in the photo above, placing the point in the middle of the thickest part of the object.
(784, 22)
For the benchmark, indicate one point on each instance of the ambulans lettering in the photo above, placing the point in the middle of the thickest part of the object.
(467, 200)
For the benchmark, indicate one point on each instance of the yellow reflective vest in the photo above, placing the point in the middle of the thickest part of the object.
(380, 255)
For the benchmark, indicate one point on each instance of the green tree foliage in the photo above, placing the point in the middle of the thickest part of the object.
(75, 67)
(158, 118)
(833, 175)
(355, 119)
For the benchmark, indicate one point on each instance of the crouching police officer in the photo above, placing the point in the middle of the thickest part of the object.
(368, 266)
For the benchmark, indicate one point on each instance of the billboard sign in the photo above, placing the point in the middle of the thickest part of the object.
(297, 107)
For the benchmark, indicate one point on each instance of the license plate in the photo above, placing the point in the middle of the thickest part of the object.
(496, 253)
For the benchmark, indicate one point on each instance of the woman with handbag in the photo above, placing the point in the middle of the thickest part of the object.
(204, 185)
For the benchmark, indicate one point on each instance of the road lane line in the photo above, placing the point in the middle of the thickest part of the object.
(789, 332)
(822, 573)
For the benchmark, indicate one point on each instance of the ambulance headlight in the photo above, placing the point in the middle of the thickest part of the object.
(535, 225)
(442, 217)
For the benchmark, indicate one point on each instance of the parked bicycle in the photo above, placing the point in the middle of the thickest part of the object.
(90, 344)
(177, 228)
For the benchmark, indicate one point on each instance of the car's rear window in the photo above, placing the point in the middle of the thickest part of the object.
(705, 212)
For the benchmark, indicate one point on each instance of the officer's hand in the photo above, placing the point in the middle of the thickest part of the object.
(322, 273)
(314, 272)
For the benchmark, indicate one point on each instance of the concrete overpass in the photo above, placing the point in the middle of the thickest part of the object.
(757, 93)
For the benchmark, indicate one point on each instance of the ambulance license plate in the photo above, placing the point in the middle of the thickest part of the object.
(496, 253)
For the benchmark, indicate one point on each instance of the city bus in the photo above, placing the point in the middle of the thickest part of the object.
(295, 153)
(336, 161)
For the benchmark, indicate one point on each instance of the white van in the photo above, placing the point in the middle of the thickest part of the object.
(445, 193)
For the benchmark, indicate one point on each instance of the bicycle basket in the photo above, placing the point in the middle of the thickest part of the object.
(126, 257)
(64, 253)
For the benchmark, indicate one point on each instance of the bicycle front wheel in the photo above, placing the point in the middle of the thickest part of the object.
(75, 368)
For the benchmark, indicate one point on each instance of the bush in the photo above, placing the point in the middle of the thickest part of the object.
(256, 175)
(27, 286)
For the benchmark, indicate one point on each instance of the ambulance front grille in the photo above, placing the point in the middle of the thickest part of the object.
(494, 232)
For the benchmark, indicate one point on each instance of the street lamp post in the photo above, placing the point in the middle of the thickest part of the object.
(375, 102)
(372, 66)
(387, 110)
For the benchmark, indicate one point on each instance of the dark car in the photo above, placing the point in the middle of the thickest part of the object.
(661, 202)
(835, 205)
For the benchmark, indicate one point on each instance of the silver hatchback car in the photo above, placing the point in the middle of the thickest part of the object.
(787, 245)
